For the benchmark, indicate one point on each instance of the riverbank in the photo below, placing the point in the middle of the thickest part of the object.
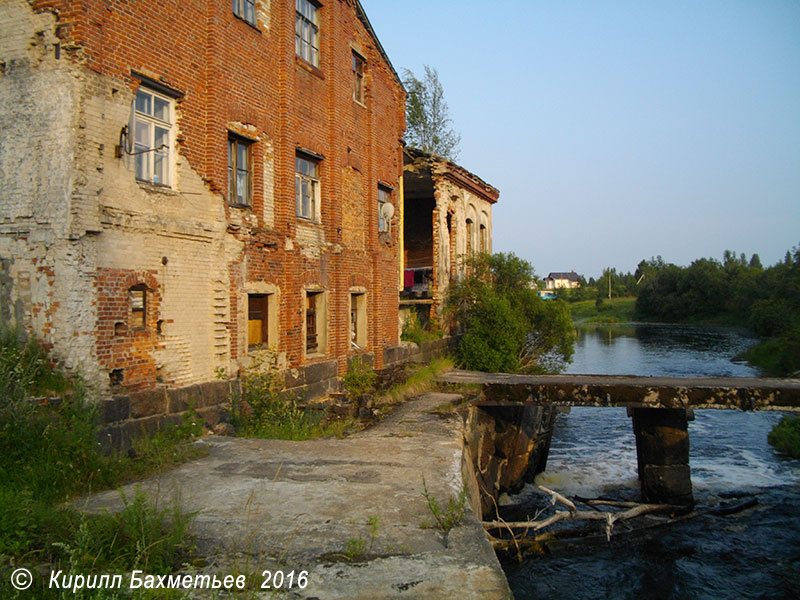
(614, 310)
(347, 512)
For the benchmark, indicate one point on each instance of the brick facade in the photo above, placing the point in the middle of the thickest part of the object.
(74, 207)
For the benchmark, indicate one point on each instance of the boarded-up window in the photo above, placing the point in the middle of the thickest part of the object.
(257, 320)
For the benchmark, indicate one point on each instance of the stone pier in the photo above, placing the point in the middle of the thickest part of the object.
(662, 454)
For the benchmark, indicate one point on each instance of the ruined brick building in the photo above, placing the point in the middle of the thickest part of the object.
(183, 183)
(447, 216)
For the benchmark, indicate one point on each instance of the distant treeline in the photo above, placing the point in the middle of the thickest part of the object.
(736, 290)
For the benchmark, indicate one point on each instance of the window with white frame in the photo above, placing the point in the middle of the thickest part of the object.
(359, 65)
(306, 31)
(307, 187)
(154, 116)
(240, 179)
(245, 9)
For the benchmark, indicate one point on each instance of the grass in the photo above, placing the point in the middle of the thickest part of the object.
(262, 409)
(419, 381)
(615, 310)
(49, 454)
(785, 436)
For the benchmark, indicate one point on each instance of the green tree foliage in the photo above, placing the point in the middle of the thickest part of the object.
(734, 290)
(508, 328)
(428, 122)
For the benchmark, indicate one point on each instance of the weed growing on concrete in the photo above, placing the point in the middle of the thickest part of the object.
(445, 519)
(359, 548)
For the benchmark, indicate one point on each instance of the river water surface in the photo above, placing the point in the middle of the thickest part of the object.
(752, 554)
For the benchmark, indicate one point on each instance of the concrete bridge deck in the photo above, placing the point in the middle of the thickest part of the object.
(661, 408)
(632, 391)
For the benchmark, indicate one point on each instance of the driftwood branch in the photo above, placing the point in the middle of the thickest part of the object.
(556, 496)
(610, 518)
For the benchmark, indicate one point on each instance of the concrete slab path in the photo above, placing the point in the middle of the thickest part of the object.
(271, 504)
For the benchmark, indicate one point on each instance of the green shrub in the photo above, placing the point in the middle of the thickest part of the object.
(360, 378)
(785, 436)
(413, 330)
(263, 410)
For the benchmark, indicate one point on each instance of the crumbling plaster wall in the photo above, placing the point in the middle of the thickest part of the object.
(71, 207)
(459, 203)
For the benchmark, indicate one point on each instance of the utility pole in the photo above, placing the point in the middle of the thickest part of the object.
(609, 283)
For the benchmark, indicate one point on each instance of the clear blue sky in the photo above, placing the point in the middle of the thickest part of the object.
(619, 130)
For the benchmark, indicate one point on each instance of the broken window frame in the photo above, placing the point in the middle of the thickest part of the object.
(384, 197)
(307, 187)
(359, 83)
(236, 173)
(306, 31)
(245, 10)
(152, 136)
(315, 323)
(358, 319)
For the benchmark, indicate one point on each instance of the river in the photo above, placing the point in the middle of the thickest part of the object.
(752, 554)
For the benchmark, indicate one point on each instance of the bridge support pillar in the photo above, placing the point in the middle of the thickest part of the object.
(662, 452)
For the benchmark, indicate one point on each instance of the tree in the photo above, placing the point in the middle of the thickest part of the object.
(508, 327)
(428, 123)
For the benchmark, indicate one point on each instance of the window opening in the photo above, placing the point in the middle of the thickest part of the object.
(137, 296)
(306, 31)
(358, 78)
(384, 197)
(245, 9)
(307, 188)
(240, 180)
(312, 339)
(358, 320)
(152, 133)
(257, 320)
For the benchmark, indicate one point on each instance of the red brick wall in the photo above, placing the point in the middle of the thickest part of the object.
(118, 345)
(230, 74)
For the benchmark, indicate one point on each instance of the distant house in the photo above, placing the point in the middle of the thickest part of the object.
(556, 281)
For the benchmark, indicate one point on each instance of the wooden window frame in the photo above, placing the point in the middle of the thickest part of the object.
(150, 127)
(236, 142)
(240, 9)
(306, 31)
(310, 181)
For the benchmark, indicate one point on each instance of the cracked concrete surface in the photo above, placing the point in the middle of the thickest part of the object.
(268, 504)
